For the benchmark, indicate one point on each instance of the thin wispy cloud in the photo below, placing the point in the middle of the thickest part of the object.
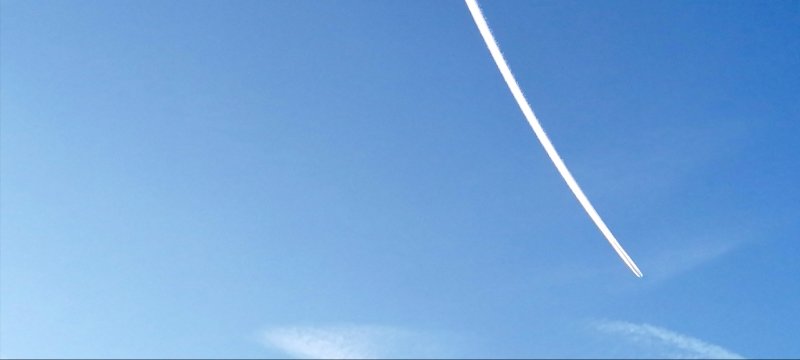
(346, 342)
(669, 262)
(666, 343)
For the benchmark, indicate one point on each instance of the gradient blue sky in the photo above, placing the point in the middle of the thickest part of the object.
(273, 179)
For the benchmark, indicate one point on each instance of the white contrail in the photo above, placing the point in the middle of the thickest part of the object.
(491, 43)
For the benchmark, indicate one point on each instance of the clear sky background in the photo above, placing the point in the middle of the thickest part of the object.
(277, 179)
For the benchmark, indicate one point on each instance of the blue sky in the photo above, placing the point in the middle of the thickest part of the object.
(275, 179)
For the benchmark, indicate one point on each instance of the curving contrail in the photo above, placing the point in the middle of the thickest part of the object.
(494, 49)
